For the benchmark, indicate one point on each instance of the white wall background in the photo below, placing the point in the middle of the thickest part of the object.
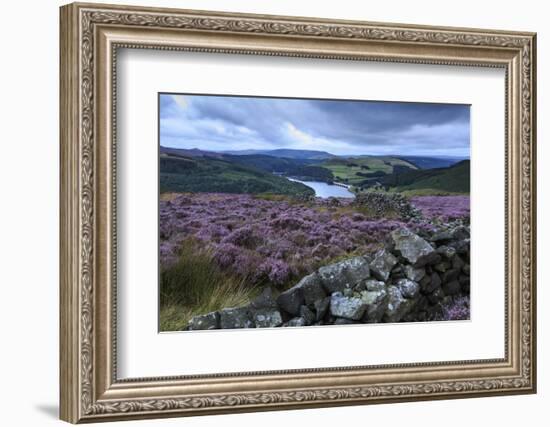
(29, 170)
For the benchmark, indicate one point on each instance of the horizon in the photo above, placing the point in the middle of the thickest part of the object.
(332, 154)
(349, 128)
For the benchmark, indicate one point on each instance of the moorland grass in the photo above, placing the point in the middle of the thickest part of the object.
(196, 285)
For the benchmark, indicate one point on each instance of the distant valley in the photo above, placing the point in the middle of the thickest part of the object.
(266, 171)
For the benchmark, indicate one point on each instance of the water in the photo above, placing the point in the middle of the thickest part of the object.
(324, 190)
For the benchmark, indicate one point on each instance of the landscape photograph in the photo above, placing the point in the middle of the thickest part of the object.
(294, 212)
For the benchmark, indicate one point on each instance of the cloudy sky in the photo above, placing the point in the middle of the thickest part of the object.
(222, 123)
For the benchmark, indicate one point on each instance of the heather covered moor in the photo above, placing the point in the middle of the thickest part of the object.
(294, 237)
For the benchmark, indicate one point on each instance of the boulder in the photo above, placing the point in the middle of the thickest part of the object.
(398, 273)
(417, 316)
(398, 306)
(234, 318)
(382, 264)
(408, 288)
(432, 259)
(312, 288)
(307, 315)
(348, 307)
(422, 304)
(428, 286)
(413, 248)
(462, 246)
(397, 269)
(204, 322)
(321, 308)
(442, 266)
(446, 251)
(265, 300)
(267, 318)
(376, 302)
(348, 292)
(436, 296)
(450, 275)
(414, 274)
(457, 262)
(435, 312)
(447, 300)
(461, 233)
(384, 204)
(451, 288)
(291, 300)
(441, 237)
(374, 285)
(344, 274)
(295, 321)
(465, 286)
(425, 283)
(306, 291)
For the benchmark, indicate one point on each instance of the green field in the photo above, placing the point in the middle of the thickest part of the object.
(347, 169)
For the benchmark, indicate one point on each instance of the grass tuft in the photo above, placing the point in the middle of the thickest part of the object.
(194, 285)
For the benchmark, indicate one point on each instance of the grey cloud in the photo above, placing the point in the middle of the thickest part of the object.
(358, 127)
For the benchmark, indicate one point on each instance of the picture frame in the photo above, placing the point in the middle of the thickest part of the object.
(91, 37)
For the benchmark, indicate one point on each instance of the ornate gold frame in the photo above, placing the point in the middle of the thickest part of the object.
(90, 36)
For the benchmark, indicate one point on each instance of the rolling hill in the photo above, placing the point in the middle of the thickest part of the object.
(306, 170)
(425, 162)
(179, 173)
(188, 152)
(255, 171)
(303, 169)
(287, 153)
(453, 179)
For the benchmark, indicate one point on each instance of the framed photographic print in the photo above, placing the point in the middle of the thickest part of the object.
(242, 218)
(265, 212)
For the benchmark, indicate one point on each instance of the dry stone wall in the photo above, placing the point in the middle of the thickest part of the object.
(410, 279)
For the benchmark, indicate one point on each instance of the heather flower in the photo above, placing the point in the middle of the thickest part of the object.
(243, 236)
(268, 240)
(446, 208)
(288, 222)
(246, 265)
(458, 309)
(277, 271)
(212, 232)
(281, 248)
(226, 253)
(299, 238)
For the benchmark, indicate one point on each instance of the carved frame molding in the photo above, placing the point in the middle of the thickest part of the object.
(90, 36)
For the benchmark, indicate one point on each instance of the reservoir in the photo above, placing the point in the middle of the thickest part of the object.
(324, 190)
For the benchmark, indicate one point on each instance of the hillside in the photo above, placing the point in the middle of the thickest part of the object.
(199, 170)
(424, 162)
(302, 169)
(287, 153)
(210, 174)
(188, 152)
(453, 179)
